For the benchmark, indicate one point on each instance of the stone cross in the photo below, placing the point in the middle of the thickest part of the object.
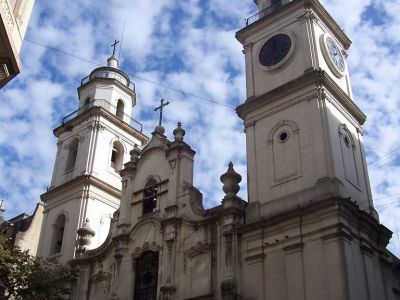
(161, 107)
(114, 45)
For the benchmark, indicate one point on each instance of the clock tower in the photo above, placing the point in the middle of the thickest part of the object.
(312, 231)
(303, 128)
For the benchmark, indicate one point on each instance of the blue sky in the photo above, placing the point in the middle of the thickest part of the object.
(190, 46)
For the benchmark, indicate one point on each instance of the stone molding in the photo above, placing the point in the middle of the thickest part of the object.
(7, 11)
(197, 249)
(307, 16)
(146, 247)
(80, 180)
(324, 83)
(97, 111)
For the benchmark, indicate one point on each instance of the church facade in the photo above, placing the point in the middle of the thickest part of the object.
(123, 212)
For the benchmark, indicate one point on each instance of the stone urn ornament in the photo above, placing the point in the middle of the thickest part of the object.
(85, 234)
(231, 181)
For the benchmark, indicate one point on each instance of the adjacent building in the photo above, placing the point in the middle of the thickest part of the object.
(14, 18)
(23, 231)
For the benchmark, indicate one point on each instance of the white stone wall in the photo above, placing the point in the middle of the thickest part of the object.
(94, 151)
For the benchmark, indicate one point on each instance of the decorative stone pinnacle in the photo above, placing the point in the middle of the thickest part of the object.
(159, 129)
(231, 181)
(85, 234)
(179, 133)
(135, 154)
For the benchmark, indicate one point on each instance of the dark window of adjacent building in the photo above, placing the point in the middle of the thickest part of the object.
(146, 276)
(120, 109)
(150, 194)
(58, 234)
(72, 154)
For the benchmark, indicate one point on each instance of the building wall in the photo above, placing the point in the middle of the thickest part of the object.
(14, 17)
(29, 240)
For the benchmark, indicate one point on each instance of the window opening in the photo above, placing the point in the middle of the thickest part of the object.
(87, 101)
(146, 276)
(58, 234)
(117, 156)
(72, 155)
(150, 194)
(283, 136)
(120, 109)
(347, 141)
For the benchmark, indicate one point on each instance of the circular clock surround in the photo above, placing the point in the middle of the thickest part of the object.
(333, 56)
(276, 50)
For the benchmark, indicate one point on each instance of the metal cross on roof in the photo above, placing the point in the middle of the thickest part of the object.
(161, 107)
(114, 45)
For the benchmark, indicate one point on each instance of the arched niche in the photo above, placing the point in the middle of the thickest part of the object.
(348, 151)
(284, 149)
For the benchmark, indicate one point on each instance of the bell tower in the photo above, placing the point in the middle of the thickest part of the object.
(303, 128)
(93, 143)
(312, 231)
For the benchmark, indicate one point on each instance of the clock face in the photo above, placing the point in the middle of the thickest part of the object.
(275, 50)
(335, 54)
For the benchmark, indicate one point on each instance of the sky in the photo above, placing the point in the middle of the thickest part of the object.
(172, 45)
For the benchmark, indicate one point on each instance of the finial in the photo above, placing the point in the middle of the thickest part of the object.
(113, 46)
(160, 129)
(161, 107)
(179, 133)
(135, 154)
(85, 234)
(112, 61)
(231, 181)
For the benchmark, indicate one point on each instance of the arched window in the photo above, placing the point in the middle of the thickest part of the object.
(58, 234)
(146, 276)
(150, 195)
(120, 109)
(72, 154)
(117, 155)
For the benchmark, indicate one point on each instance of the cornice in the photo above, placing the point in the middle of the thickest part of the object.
(80, 181)
(316, 79)
(348, 212)
(291, 7)
(180, 146)
(100, 111)
(112, 81)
